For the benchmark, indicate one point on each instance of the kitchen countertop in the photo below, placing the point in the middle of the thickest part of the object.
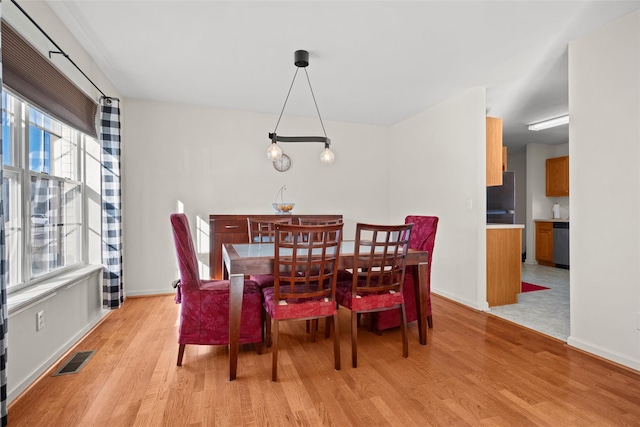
(552, 220)
(498, 226)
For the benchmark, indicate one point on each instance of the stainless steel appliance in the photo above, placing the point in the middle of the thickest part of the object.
(501, 201)
(561, 244)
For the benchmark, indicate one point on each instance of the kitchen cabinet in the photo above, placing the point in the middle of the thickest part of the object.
(494, 151)
(504, 263)
(558, 176)
(234, 229)
(544, 243)
(504, 159)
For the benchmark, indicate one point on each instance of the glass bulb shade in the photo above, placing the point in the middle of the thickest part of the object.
(274, 152)
(327, 156)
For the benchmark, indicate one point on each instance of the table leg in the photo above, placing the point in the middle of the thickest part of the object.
(236, 291)
(421, 284)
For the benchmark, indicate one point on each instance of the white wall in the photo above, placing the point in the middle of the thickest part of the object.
(604, 105)
(214, 161)
(437, 161)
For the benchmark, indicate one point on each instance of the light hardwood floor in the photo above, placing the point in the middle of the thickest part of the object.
(476, 370)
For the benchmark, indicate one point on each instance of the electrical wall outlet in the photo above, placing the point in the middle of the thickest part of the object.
(39, 320)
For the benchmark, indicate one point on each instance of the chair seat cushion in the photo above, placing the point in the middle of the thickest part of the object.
(263, 280)
(367, 301)
(297, 308)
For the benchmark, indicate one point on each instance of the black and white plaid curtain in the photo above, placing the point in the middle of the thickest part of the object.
(3, 283)
(112, 287)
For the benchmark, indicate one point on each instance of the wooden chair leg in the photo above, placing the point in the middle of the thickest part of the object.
(372, 319)
(180, 354)
(267, 325)
(430, 321)
(314, 329)
(327, 327)
(354, 339)
(403, 329)
(274, 351)
(336, 339)
(259, 347)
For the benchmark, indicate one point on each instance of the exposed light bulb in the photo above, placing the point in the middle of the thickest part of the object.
(327, 156)
(274, 152)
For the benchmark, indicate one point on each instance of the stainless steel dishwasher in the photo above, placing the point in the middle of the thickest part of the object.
(561, 244)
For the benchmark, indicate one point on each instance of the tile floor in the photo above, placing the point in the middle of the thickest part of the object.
(545, 311)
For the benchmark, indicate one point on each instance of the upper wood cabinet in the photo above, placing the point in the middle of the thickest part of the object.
(504, 159)
(558, 176)
(494, 151)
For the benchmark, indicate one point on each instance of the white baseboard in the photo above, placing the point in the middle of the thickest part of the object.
(604, 353)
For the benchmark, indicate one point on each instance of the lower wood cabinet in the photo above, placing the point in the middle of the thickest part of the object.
(504, 265)
(544, 243)
(234, 229)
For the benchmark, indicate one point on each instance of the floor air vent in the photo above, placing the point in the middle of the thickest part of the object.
(76, 363)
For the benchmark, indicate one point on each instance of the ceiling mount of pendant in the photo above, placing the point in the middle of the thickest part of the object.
(301, 58)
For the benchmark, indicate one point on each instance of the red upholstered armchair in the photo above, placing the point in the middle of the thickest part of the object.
(204, 315)
(423, 237)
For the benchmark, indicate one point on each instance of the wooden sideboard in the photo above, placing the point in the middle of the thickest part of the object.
(233, 229)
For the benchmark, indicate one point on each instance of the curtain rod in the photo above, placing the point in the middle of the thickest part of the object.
(60, 51)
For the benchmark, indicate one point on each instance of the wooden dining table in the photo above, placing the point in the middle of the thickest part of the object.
(244, 259)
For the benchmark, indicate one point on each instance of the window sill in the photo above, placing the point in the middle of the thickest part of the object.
(25, 298)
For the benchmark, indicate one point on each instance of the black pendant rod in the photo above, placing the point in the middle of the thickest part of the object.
(301, 60)
(60, 51)
(314, 102)
(286, 99)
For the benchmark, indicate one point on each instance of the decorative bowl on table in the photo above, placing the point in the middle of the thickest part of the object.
(283, 207)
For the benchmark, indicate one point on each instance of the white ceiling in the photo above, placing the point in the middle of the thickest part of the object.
(373, 62)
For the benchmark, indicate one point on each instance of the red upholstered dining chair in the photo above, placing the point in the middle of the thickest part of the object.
(305, 271)
(378, 276)
(204, 314)
(342, 274)
(423, 237)
(262, 230)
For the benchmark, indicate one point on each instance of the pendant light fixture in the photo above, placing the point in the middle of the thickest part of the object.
(274, 152)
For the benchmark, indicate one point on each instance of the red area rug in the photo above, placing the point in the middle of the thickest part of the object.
(530, 287)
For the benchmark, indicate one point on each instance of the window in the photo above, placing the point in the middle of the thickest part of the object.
(43, 192)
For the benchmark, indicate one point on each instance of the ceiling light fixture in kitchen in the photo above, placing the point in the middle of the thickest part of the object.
(546, 124)
(301, 60)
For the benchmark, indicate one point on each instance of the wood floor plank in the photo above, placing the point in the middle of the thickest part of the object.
(476, 370)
